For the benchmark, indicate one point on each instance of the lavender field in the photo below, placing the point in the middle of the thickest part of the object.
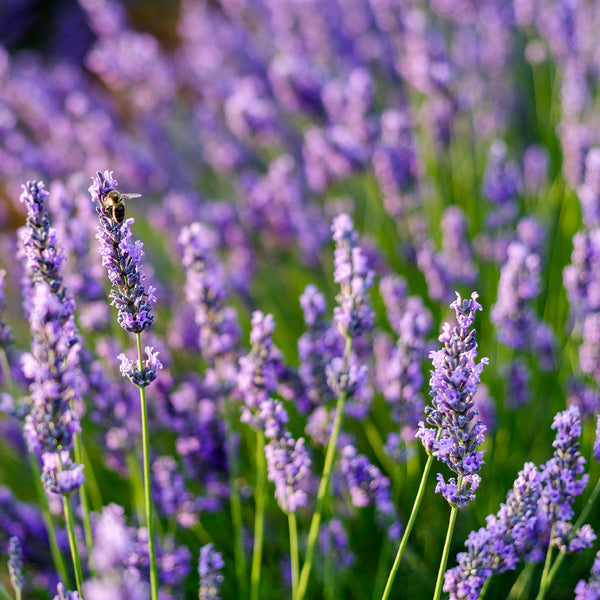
(299, 299)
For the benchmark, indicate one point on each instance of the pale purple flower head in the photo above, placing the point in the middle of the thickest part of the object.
(334, 542)
(590, 589)
(206, 292)
(210, 565)
(6, 335)
(122, 256)
(15, 563)
(63, 594)
(368, 487)
(148, 373)
(458, 432)
(288, 467)
(507, 538)
(354, 314)
(51, 424)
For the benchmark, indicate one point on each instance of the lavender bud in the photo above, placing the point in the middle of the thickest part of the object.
(15, 564)
(353, 314)
(122, 257)
(454, 383)
(210, 564)
(147, 374)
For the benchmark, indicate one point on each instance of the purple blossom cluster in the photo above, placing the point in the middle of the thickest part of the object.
(122, 257)
(590, 589)
(398, 374)
(367, 486)
(288, 461)
(210, 564)
(207, 295)
(537, 513)
(456, 431)
(517, 324)
(353, 315)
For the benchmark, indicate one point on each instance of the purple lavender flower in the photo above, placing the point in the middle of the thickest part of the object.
(335, 544)
(398, 367)
(564, 479)
(288, 467)
(52, 423)
(368, 486)
(506, 539)
(210, 564)
(456, 251)
(43, 257)
(147, 374)
(114, 547)
(288, 462)
(354, 314)
(517, 324)
(316, 348)
(257, 377)
(205, 291)
(15, 564)
(597, 440)
(6, 336)
(63, 594)
(454, 383)
(590, 589)
(122, 257)
(589, 190)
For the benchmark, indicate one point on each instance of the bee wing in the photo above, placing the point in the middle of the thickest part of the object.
(130, 196)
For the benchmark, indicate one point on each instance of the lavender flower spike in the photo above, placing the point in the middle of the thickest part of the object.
(209, 569)
(15, 565)
(122, 257)
(457, 431)
(353, 314)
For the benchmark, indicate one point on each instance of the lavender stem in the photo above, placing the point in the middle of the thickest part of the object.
(259, 516)
(444, 561)
(324, 483)
(147, 494)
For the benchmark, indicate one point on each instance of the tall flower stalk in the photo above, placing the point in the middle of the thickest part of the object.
(454, 431)
(353, 316)
(51, 425)
(122, 257)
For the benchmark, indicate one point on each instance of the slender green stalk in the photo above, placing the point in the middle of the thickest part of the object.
(85, 509)
(293, 551)
(409, 526)
(259, 515)
(324, 483)
(440, 578)
(4, 595)
(147, 493)
(520, 588)
(57, 558)
(73, 543)
(547, 563)
(235, 502)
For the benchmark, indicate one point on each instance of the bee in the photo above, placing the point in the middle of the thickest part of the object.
(114, 201)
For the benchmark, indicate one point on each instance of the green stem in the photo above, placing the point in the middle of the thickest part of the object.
(57, 558)
(73, 543)
(409, 526)
(520, 588)
(440, 579)
(147, 493)
(4, 595)
(235, 502)
(547, 563)
(294, 563)
(85, 509)
(324, 483)
(259, 515)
